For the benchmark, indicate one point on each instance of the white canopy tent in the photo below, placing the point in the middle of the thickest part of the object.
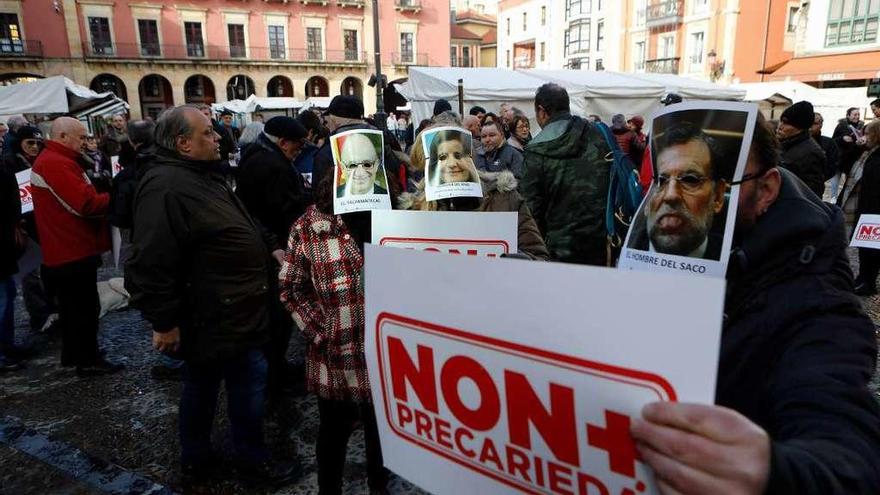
(691, 89)
(54, 95)
(256, 104)
(317, 102)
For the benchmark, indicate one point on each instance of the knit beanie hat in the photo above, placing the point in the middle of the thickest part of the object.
(799, 115)
(441, 106)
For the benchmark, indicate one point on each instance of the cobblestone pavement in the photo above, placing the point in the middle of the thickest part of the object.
(117, 434)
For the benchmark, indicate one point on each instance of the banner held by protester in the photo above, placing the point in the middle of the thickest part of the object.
(359, 183)
(532, 397)
(686, 221)
(472, 233)
(867, 232)
(24, 190)
(450, 170)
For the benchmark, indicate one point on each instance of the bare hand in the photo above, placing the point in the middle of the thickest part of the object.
(695, 448)
(278, 254)
(847, 139)
(168, 341)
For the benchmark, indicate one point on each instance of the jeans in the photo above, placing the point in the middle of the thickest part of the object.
(337, 422)
(7, 312)
(75, 285)
(245, 377)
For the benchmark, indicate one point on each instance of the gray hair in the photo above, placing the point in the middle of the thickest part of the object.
(171, 124)
(15, 122)
(250, 133)
(447, 118)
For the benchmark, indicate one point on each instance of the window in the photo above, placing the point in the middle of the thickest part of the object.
(236, 40)
(465, 56)
(525, 22)
(350, 40)
(453, 56)
(599, 64)
(148, 30)
(577, 7)
(99, 29)
(578, 37)
(639, 59)
(508, 26)
(314, 45)
(667, 47)
(700, 6)
(791, 22)
(406, 48)
(277, 49)
(195, 44)
(697, 48)
(600, 35)
(508, 58)
(543, 51)
(852, 22)
(599, 9)
(579, 63)
(10, 34)
(543, 15)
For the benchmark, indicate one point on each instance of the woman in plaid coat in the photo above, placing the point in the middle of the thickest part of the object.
(322, 287)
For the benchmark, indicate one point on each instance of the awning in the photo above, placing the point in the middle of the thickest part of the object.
(834, 67)
(105, 109)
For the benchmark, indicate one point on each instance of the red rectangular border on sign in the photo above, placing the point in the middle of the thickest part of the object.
(428, 240)
(650, 381)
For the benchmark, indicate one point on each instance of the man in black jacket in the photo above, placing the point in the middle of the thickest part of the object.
(200, 273)
(10, 235)
(274, 194)
(849, 137)
(832, 154)
(800, 153)
(794, 413)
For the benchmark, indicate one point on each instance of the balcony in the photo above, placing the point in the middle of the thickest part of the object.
(666, 13)
(322, 3)
(356, 4)
(409, 58)
(213, 53)
(662, 65)
(20, 48)
(407, 5)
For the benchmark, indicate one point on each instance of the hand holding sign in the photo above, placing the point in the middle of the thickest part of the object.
(695, 448)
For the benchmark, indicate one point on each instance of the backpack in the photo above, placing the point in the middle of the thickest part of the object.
(624, 194)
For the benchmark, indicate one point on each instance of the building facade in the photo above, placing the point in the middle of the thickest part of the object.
(472, 26)
(157, 54)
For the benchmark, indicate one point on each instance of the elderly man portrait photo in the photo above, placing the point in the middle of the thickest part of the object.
(688, 194)
(360, 165)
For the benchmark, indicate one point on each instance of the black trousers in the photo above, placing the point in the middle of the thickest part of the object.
(869, 266)
(337, 422)
(75, 286)
(280, 330)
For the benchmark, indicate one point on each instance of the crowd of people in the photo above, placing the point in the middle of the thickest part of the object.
(233, 244)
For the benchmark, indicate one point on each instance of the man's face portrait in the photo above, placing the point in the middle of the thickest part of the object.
(227, 120)
(684, 199)
(118, 122)
(360, 163)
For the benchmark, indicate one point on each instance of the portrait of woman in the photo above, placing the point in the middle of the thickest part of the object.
(450, 158)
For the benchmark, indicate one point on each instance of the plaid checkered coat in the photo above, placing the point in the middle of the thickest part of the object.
(321, 285)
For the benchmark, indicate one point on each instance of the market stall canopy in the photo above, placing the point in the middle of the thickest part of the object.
(54, 95)
(235, 106)
(693, 89)
(256, 104)
(317, 102)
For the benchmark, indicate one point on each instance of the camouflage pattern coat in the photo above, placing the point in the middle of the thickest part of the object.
(566, 187)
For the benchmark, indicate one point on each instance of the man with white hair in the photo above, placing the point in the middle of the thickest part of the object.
(360, 163)
(71, 219)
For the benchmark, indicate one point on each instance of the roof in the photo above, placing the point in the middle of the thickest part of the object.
(860, 65)
(474, 16)
(491, 37)
(460, 33)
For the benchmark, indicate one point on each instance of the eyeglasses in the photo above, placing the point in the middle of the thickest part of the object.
(365, 165)
(689, 183)
(748, 177)
(32, 142)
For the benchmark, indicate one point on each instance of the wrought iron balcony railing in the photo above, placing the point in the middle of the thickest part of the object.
(20, 48)
(662, 65)
(213, 53)
(668, 12)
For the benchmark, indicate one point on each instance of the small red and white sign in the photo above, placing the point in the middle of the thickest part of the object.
(24, 190)
(867, 232)
(115, 166)
(484, 381)
(484, 234)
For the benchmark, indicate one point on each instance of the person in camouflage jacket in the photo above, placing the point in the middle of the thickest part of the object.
(566, 180)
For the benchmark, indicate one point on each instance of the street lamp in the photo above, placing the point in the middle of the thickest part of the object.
(379, 117)
(716, 67)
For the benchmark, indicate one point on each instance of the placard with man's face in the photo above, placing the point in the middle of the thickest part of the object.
(449, 164)
(685, 223)
(359, 183)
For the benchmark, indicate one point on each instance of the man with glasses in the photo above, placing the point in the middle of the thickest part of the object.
(360, 163)
(687, 194)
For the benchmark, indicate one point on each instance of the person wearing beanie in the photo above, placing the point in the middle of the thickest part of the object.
(635, 124)
(27, 144)
(800, 153)
(441, 106)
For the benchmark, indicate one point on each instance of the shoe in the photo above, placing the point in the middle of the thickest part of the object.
(166, 373)
(863, 289)
(269, 473)
(99, 367)
(9, 364)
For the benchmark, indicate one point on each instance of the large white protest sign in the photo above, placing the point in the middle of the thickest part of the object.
(24, 190)
(359, 181)
(471, 233)
(867, 232)
(498, 376)
(685, 224)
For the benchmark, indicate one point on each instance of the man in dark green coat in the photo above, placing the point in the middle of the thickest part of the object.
(566, 180)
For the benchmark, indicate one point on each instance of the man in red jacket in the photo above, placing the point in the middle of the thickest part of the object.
(72, 225)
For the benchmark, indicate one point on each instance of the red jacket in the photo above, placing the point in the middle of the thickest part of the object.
(70, 213)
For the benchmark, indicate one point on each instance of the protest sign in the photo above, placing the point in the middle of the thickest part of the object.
(484, 381)
(488, 234)
(449, 164)
(867, 232)
(115, 166)
(359, 183)
(24, 190)
(685, 223)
